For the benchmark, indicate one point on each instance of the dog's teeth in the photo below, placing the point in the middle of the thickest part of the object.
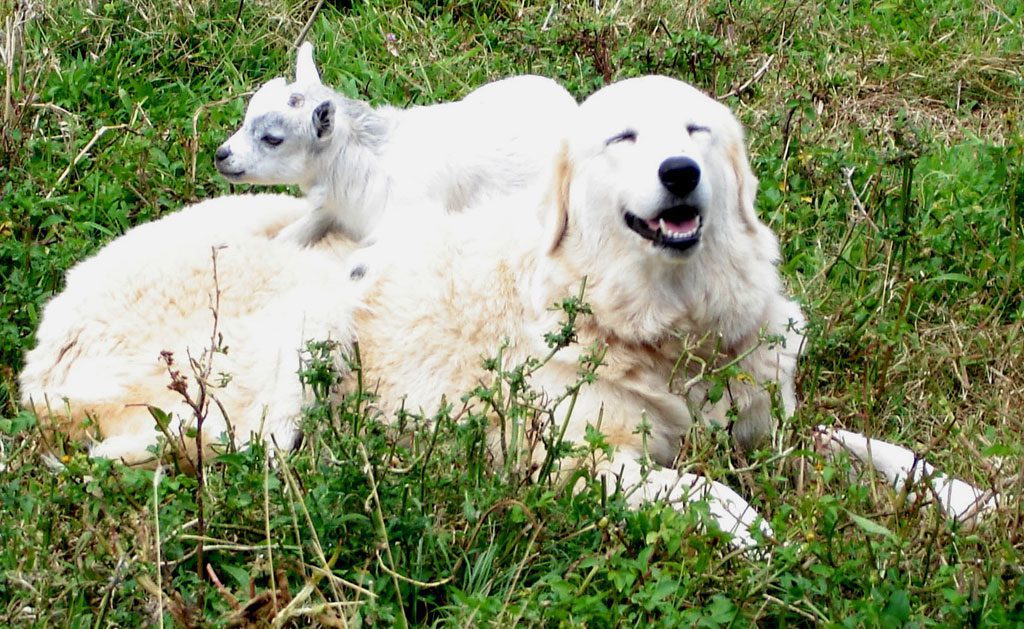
(668, 232)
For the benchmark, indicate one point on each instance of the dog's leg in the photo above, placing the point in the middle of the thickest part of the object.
(732, 513)
(772, 361)
(960, 501)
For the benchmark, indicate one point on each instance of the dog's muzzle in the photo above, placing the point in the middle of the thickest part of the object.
(676, 227)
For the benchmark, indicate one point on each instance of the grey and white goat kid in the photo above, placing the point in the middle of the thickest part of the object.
(367, 170)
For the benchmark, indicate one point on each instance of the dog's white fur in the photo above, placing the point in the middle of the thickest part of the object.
(456, 295)
(151, 290)
(438, 301)
(364, 168)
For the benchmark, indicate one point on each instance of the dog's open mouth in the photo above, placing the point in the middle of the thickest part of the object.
(677, 228)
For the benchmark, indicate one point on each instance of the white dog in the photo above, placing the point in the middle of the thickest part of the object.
(651, 201)
(363, 167)
(653, 204)
(97, 364)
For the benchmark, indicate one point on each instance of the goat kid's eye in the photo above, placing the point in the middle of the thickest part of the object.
(271, 140)
(629, 135)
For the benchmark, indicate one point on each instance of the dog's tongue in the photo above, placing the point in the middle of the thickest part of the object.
(679, 227)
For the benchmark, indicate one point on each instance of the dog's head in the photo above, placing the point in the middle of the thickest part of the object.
(289, 126)
(653, 166)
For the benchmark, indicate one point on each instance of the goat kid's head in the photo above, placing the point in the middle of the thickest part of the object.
(287, 128)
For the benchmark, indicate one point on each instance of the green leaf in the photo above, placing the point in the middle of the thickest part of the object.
(97, 227)
(872, 528)
(50, 221)
(722, 610)
(997, 449)
(163, 418)
(898, 607)
(716, 391)
(239, 575)
(951, 277)
(662, 590)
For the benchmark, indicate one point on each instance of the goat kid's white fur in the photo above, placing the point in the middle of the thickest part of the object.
(475, 282)
(369, 170)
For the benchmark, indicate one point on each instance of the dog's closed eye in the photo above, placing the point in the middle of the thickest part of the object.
(696, 128)
(629, 135)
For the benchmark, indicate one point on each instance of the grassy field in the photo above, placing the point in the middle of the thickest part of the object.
(889, 139)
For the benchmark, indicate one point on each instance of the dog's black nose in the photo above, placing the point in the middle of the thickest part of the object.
(680, 175)
(223, 152)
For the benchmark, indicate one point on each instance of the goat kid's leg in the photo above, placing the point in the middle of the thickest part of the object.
(308, 230)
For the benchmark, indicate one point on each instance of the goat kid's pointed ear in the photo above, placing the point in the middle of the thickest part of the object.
(305, 69)
(323, 118)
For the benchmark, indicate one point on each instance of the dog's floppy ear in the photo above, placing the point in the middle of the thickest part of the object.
(554, 209)
(323, 118)
(746, 184)
(305, 69)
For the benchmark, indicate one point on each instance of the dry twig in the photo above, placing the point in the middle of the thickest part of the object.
(736, 91)
(81, 154)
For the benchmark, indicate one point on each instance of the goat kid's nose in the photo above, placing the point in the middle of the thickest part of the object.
(680, 175)
(223, 152)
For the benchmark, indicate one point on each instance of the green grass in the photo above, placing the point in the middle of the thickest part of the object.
(910, 268)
